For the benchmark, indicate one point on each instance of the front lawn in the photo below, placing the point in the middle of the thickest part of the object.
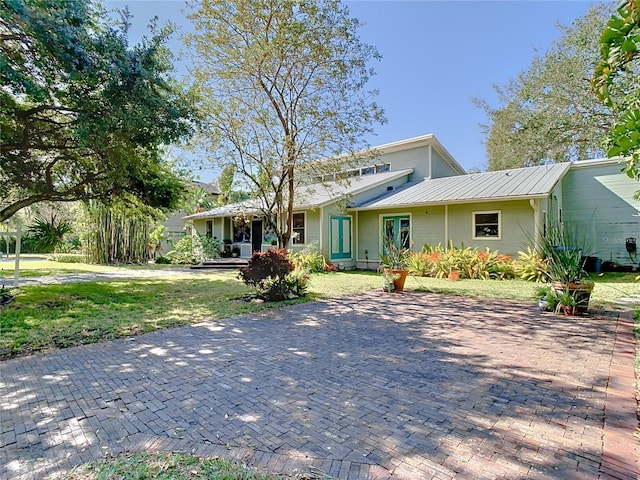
(62, 315)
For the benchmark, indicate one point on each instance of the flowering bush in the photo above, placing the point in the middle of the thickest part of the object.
(273, 276)
(467, 262)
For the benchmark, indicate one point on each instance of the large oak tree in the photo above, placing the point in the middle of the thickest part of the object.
(83, 114)
(549, 113)
(283, 85)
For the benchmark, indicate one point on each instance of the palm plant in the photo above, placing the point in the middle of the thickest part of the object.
(48, 234)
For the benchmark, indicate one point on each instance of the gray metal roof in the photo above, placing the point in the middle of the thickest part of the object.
(511, 184)
(310, 196)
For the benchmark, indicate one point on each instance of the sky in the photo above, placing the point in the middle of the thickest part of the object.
(436, 57)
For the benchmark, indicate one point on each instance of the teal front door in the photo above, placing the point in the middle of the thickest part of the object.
(397, 230)
(340, 232)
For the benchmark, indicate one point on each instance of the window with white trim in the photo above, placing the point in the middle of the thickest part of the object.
(298, 228)
(486, 225)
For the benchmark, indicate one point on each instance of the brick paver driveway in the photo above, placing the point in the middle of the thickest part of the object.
(370, 386)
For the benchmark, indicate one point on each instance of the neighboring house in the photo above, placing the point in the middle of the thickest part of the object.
(175, 226)
(413, 193)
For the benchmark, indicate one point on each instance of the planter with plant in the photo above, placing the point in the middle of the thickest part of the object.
(565, 253)
(567, 303)
(394, 265)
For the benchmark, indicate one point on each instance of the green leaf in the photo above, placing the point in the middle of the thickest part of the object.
(629, 46)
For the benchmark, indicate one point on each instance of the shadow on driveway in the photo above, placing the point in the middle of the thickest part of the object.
(374, 385)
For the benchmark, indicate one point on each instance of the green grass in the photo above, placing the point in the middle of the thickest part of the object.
(45, 317)
(172, 466)
(42, 268)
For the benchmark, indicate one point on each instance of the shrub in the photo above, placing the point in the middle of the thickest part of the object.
(293, 285)
(273, 276)
(530, 266)
(423, 263)
(161, 260)
(310, 259)
(194, 249)
(183, 252)
(68, 258)
(467, 262)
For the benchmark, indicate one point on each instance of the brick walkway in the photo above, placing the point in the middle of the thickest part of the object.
(373, 386)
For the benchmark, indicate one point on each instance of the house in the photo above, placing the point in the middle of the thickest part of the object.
(174, 224)
(413, 193)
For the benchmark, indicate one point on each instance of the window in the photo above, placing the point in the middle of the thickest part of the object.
(396, 230)
(209, 228)
(268, 233)
(298, 228)
(486, 225)
(241, 230)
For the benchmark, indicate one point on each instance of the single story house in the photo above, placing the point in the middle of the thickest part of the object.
(413, 192)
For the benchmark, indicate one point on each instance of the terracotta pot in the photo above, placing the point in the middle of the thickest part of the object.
(398, 283)
(570, 310)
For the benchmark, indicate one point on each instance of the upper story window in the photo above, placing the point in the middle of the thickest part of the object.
(298, 236)
(486, 225)
(356, 172)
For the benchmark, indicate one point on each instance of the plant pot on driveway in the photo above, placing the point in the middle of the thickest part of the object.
(581, 291)
(399, 277)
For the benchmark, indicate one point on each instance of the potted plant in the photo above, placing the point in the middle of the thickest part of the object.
(393, 265)
(235, 252)
(567, 303)
(388, 277)
(566, 255)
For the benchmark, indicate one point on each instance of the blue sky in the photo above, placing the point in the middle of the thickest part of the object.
(437, 56)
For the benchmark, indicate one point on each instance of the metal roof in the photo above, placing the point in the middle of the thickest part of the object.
(518, 183)
(310, 196)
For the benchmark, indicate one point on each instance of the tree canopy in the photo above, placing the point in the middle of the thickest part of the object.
(549, 113)
(283, 85)
(83, 114)
(619, 57)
